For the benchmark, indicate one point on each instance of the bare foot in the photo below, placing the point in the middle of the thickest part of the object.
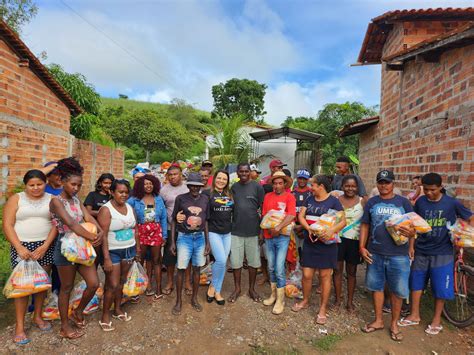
(176, 311)
(350, 308)
(254, 296)
(233, 297)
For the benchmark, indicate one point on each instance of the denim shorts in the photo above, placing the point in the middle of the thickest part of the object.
(125, 254)
(190, 247)
(393, 270)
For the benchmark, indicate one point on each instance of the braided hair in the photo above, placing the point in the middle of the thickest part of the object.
(68, 167)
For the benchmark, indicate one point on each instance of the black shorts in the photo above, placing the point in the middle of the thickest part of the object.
(168, 258)
(348, 251)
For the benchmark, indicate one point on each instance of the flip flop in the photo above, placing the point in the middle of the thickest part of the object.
(149, 292)
(433, 330)
(135, 299)
(298, 307)
(157, 297)
(369, 329)
(21, 339)
(321, 320)
(81, 324)
(106, 327)
(122, 317)
(406, 322)
(46, 327)
(188, 291)
(396, 336)
(167, 291)
(74, 335)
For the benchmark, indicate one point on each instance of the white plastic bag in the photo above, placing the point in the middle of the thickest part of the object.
(27, 278)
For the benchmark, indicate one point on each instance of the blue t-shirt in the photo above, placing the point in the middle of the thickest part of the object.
(376, 212)
(318, 208)
(437, 214)
(51, 190)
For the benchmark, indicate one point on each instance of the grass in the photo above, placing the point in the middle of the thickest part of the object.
(264, 350)
(326, 343)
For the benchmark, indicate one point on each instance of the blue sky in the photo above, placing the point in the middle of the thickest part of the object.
(159, 50)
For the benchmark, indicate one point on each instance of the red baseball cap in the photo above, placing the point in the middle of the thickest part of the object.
(276, 162)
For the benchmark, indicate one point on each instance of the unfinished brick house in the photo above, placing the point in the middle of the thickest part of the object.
(426, 119)
(35, 114)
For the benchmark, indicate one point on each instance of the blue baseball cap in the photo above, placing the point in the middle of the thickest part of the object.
(139, 169)
(303, 173)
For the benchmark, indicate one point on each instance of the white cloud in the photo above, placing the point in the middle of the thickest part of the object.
(162, 96)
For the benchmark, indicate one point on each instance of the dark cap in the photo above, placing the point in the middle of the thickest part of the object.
(194, 179)
(385, 175)
(207, 163)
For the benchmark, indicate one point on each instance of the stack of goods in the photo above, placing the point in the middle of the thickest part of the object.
(407, 220)
(321, 224)
(50, 309)
(462, 234)
(76, 296)
(27, 277)
(137, 281)
(79, 250)
(273, 218)
(293, 288)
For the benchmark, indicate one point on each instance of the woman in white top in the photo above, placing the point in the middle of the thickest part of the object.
(28, 228)
(118, 221)
(348, 249)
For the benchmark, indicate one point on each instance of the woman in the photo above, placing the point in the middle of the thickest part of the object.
(317, 255)
(96, 199)
(220, 225)
(117, 220)
(348, 249)
(67, 213)
(152, 225)
(27, 226)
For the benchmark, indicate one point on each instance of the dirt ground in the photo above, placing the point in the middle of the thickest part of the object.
(243, 327)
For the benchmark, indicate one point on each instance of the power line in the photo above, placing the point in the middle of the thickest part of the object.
(146, 66)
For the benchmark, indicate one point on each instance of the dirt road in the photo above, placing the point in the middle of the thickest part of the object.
(243, 327)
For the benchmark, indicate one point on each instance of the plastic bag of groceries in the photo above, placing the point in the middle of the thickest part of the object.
(323, 223)
(27, 277)
(273, 218)
(408, 219)
(462, 234)
(50, 308)
(76, 296)
(137, 281)
(293, 283)
(79, 250)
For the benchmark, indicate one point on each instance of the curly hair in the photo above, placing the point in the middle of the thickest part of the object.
(139, 187)
(68, 167)
(105, 176)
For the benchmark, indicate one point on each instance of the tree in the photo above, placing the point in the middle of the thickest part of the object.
(239, 97)
(328, 122)
(17, 13)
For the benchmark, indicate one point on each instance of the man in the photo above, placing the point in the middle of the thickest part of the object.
(248, 198)
(169, 192)
(54, 185)
(205, 174)
(255, 172)
(301, 192)
(277, 238)
(343, 167)
(192, 243)
(387, 262)
(207, 165)
(434, 251)
(275, 165)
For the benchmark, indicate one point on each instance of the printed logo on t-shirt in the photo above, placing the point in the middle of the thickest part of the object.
(434, 219)
(379, 214)
(194, 221)
(124, 234)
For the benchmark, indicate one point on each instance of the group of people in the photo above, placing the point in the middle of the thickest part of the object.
(180, 225)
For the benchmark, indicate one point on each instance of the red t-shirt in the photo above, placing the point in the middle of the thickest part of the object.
(272, 201)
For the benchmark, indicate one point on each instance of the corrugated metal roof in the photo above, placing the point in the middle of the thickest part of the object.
(20, 48)
(380, 26)
(358, 126)
(276, 133)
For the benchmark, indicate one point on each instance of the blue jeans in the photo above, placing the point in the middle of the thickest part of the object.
(220, 246)
(276, 249)
(393, 270)
(190, 247)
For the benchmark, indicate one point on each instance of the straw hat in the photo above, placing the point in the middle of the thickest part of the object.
(281, 175)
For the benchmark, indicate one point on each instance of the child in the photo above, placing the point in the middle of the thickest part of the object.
(433, 251)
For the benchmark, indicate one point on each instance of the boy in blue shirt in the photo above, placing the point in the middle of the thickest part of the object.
(433, 251)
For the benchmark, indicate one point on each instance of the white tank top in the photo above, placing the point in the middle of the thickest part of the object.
(122, 228)
(33, 220)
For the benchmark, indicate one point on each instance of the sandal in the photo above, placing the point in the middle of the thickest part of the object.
(188, 291)
(21, 339)
(45, 327)
(433, 330)
(135, 299)
(81, 324)
(298, 307)
(74, 335)
(167, 291)
(321, 320)
(370, 329)
(106, 327)
(149, 292)
(406, 322)
(122, 317)
(396, 336)
(157, 297)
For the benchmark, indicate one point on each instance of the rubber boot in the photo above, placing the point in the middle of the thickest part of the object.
(280, 301)
(271, 300)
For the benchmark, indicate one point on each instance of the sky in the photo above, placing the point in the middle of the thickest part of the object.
(159, 50)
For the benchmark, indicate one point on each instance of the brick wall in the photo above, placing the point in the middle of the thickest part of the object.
(426, 118)
(34, 129)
